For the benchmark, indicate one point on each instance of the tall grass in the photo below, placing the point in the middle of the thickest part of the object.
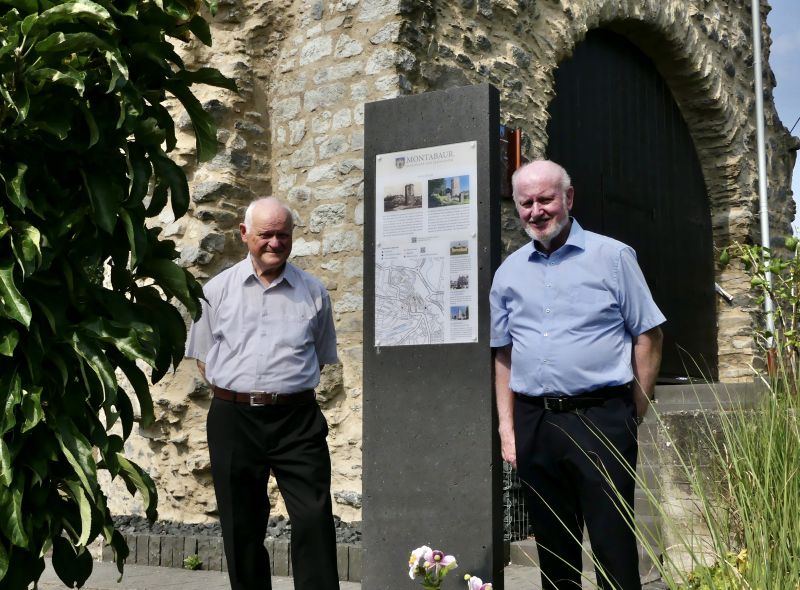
(745, 498)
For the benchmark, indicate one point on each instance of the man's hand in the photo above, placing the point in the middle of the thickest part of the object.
(505, 404)
(202, 368)
(646, 361)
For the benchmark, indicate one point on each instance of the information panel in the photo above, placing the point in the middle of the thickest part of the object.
(426, 259)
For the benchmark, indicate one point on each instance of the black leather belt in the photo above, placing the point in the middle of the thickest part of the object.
(570, 403)
(265, 398)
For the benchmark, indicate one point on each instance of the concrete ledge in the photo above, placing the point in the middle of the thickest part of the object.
(171, 550)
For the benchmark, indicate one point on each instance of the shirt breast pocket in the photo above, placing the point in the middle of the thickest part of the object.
(293, 332)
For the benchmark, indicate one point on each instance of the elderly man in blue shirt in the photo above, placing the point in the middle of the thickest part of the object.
(265, 332)
(577, 350)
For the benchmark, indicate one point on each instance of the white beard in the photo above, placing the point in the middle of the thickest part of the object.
(546, 238)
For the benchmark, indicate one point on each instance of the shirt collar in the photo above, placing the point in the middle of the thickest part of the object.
(576, 239)
(246, 271)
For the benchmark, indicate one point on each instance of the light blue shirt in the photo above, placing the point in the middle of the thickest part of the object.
(570, 316)
(257, 338)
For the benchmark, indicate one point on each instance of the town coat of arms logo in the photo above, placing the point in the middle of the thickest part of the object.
(400, 162)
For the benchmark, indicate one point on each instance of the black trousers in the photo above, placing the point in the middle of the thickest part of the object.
(245, 444)
(577, 468)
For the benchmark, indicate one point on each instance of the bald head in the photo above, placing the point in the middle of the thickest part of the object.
(544, 171)
(266, 205)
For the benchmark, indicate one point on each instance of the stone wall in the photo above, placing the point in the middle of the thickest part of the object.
(305, 68)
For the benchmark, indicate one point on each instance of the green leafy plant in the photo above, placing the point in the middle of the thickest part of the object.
(192, 562)
(85, 284)
(777, 277)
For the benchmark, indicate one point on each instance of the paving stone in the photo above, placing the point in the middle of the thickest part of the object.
(281, 558)
(142, 550)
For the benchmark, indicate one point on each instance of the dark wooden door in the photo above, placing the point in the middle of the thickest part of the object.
(619, 133)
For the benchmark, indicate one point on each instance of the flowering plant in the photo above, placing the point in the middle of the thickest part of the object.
(474, 583)
(431, 565)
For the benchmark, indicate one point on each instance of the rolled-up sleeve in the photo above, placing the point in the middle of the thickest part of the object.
(201, 337)
(639, 311)
(499, 336)
(325, 336)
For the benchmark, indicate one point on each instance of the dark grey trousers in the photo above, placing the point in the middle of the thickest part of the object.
(576, 468)
(245, 444)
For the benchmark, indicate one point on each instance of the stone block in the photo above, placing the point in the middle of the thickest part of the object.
(108, 552)
(342, 241)
(381, 60)
(346, 46)
(142, 549)
(315, 50)
(189, 548)
(326, 215)
(303, 157)
(270, 545)
(342, 561)
(281, 557)
(323, 96)
(333, 146)
(286, 109)
(355, 554)
(172, 551)
(349, 302)
(154, 550)
(131, 540)
(374, 10)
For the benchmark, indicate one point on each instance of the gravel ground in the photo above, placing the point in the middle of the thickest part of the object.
(278, 527)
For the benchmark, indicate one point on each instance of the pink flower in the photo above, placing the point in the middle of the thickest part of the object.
(439, 562)
(415, 561)
(474, 583)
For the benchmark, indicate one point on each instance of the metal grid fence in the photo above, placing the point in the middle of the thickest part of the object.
(516, 524)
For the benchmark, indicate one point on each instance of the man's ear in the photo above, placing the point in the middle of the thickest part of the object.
(570, 195)
(243, 231)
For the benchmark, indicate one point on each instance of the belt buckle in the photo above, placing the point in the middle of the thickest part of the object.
(554, 404)
(258, 398)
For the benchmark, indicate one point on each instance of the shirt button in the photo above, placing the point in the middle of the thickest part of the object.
(552, 263)
(547, 310)
(546, 334)
(547, 285)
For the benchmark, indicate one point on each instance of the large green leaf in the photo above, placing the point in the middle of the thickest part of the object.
(25, 240)
(70, 77)
(72, 567)
(142, 389)
(12, 522)
(199, 26)
(72, 9)
(96, 359)
(205, 132)
(210, 76)
(173, 279)
(14, 305)
(6, 464)
(70, 43)
(136, 479)
(106, 197)
(15, 187)
(135, 339)
(3, 561)
(9, 338)
(32, 408)
(10, 385)
(77, 450)
(85, 508)
(140, 173)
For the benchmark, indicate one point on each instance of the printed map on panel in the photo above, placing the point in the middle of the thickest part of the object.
(409, 301)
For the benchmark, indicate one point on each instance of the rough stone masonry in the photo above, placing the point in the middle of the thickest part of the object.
(305, 68)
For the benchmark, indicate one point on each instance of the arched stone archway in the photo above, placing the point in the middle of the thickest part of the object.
(616, 128)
